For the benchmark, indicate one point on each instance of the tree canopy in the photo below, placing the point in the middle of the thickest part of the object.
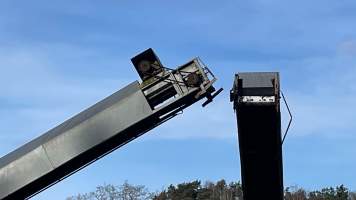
(195, 190)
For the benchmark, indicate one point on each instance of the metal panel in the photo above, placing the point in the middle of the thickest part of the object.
(98, 128)
(257, 79)
(257, 99)
(69, 124)
(23, 171)
(72, 139)
(257, 83)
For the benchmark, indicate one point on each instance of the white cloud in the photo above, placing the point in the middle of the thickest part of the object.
(347, 48)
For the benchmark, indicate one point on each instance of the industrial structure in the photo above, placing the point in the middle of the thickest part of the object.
(106, 126)
(142, 106)
(256, 100)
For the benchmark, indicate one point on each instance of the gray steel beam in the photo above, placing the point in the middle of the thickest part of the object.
(71, 140)
(100, 129)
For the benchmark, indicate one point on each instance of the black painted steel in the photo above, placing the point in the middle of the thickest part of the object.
(259, 133)
(147, 64)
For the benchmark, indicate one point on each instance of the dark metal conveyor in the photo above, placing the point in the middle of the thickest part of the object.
(256, 98)
(106, 126)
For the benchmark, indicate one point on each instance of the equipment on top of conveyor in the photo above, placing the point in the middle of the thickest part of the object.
(147, 64)
(106, 126)
(256, 98)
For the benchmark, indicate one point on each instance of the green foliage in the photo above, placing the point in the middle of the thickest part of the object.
(208, 191)
(330, 193)
(111, 192)
(295, 193)
(195, 191)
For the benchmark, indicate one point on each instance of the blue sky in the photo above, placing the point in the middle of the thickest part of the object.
(59, 57)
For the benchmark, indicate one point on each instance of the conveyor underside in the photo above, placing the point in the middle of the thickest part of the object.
(78, 141)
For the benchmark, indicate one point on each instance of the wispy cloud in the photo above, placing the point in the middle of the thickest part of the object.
(326, 106)
(35, 97)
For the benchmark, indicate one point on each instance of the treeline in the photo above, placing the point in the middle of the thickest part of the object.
(338, 193)
(195, 190)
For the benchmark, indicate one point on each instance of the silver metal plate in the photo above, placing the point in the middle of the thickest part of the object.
(257, 99)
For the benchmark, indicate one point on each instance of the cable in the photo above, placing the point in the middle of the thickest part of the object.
(291, 118)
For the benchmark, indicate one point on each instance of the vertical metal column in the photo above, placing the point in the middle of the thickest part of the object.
(257, 105)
